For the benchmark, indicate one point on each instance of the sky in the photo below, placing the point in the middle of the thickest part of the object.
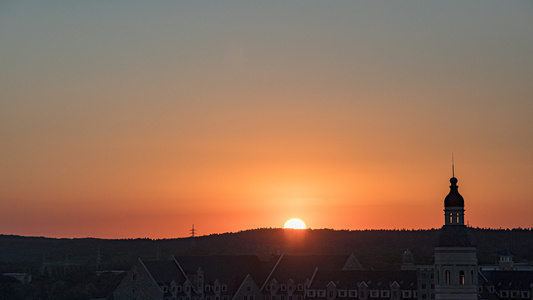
(125, 119)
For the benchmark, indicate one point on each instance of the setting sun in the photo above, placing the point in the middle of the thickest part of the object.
(295, 224)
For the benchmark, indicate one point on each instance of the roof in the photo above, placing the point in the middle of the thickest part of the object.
(164, 272)
(302, 267)
(352, 263)
(455, 236)
(228, 269)
(374, 279)
(506, 252)
(454, 199)
(509, 280)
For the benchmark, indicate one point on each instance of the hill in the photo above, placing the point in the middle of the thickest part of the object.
(73, 262)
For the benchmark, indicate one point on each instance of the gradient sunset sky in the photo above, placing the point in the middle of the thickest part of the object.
(124, 119)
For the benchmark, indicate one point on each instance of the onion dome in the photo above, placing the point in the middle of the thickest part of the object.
(454, 199)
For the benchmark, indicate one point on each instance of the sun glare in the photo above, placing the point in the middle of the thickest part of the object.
(295, 224)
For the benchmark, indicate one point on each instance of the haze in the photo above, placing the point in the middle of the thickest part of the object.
(138, 119)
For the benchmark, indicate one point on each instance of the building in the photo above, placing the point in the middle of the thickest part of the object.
(455, 254)
(454, 274)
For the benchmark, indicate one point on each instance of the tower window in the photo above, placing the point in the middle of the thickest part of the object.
(462, 277)
(447, 276)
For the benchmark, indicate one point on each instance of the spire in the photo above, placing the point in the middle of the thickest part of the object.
(453, 168)
(454, 198)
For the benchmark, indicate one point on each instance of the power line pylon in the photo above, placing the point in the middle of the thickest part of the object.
(193, 231)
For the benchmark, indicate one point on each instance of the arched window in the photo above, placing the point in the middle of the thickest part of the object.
(462, 277)
(447, 276)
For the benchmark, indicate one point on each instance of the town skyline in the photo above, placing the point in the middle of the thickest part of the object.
(140, 120)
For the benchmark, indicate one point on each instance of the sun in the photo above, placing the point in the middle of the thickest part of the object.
(295, 224)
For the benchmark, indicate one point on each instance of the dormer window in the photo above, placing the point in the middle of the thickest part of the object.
(224, 287)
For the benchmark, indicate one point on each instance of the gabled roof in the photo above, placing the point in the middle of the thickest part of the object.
(373, 279)
(352, 263)
(228, 269)
(509, 280)
(164, 272)
(300, 268)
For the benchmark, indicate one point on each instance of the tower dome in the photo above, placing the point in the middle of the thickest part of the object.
(454, 199)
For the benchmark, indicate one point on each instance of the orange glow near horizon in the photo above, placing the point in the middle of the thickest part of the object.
(126, 123)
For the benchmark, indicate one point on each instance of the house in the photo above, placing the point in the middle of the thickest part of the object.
(363, 284)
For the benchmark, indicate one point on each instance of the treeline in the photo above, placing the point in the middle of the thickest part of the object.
(68, 266)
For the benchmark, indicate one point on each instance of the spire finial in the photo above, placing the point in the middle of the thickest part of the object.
(453, 167)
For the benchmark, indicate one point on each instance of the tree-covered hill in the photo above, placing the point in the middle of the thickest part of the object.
(63, 266)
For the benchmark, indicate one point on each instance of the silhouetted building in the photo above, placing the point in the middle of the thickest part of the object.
(455, 254)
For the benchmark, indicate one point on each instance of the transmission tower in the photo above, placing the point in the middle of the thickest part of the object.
(193, 231)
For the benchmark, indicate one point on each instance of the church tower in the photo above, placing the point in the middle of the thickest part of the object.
(455, 253)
